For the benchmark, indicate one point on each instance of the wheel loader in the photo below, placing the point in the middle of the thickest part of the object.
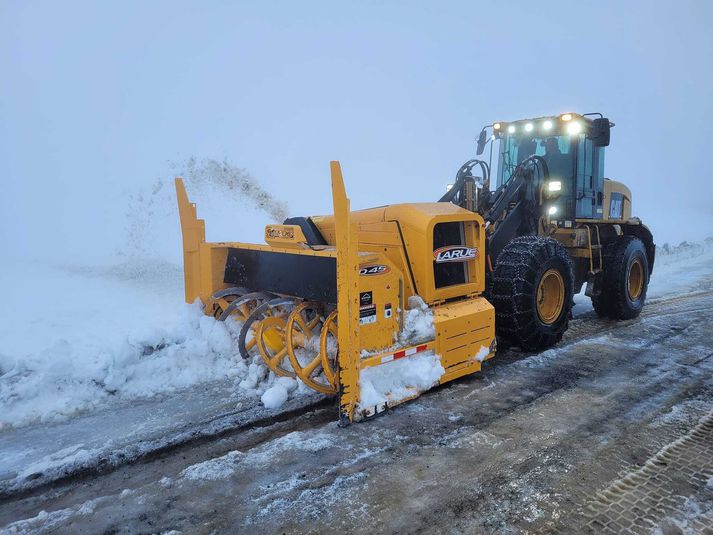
(554, 223)
(376, 306)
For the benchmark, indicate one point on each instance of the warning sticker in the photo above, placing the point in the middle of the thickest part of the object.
(387, 310)
(367, 314)
(365, 298)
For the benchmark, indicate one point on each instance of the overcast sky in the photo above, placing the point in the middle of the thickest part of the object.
(96, 98)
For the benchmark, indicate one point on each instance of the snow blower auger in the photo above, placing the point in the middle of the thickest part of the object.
(374, 306)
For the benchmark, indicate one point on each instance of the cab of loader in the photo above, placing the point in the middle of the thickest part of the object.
(572, 147)
(554, 223)
(573, 161)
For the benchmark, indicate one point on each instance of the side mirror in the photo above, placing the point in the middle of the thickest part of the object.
(482, 140)
(600, 132)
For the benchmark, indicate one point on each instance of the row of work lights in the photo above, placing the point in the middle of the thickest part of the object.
(573, 126)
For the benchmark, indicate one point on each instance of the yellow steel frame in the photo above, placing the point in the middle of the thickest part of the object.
(204, 262)
(347, 299)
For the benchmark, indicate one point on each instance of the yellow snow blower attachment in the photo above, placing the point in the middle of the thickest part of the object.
(374, 306)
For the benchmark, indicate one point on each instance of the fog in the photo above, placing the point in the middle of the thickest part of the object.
(102, 103)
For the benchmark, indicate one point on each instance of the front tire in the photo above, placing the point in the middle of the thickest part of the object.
(531, 290)
(625, 279)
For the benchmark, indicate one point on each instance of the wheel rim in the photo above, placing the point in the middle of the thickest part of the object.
(635, 279)
(550, 296)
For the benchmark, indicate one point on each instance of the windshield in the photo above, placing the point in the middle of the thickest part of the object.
(557, 151)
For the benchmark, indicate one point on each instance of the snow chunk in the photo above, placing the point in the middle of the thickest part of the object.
(287, 383)
(399, 379)
(256, 373)
(482, 353)
(214, 469)
(274, 397)
(418, 322)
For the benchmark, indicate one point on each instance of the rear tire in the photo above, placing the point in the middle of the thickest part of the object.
(625, 279)
(531, 290)
(601, 306)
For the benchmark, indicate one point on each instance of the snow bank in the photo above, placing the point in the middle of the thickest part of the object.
(399, 379)
(668, 253)
(77, 338)
(67, 378)
(677, 269)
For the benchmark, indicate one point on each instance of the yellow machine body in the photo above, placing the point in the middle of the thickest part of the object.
(355, 288)
(404, 232)
(464, 335)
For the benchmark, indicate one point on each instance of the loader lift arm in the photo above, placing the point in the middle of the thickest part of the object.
(510, 210)
(463, 191)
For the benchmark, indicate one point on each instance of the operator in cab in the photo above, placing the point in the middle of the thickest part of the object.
(557, 162)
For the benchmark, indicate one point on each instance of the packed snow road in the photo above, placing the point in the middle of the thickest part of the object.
(613, 430)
